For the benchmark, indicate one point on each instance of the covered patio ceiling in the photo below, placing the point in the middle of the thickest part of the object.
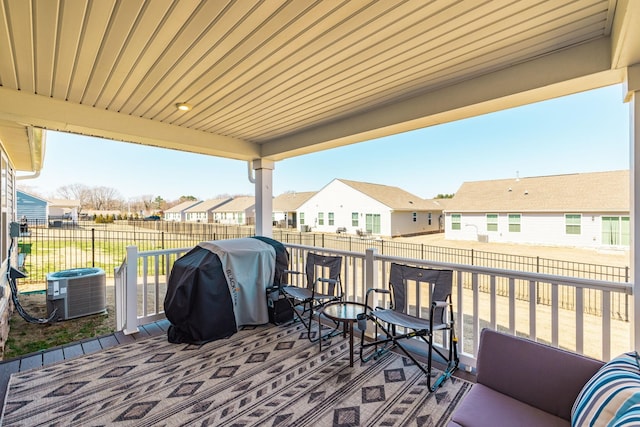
(275, 79)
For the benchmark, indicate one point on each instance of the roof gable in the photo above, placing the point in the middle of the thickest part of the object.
(183, 206)
(392, 197)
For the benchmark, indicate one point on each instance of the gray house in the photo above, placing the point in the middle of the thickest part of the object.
(35, 209)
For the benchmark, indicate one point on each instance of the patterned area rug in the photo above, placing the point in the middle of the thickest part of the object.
(267, 376)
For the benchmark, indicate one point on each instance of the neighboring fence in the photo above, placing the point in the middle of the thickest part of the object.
(87, 244)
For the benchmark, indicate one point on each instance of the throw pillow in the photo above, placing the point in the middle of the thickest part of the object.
(612, 396)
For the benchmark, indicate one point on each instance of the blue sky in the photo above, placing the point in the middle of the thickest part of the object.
(586, 132)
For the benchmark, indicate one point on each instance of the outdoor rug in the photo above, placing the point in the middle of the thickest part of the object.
(267, 375)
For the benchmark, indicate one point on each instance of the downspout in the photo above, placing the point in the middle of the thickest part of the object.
(32, 151)
(252, 178)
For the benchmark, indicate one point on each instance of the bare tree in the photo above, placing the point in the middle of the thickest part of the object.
(105, 198)
(76, 191)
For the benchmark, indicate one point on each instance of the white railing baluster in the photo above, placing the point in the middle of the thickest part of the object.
(473, 307)
(476, 312)
(606, 325)
(555, 314)
(533, 295)
(579, 320)
(512, 305)
(131, 289)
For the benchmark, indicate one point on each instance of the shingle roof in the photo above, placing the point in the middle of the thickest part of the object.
(579, 192)
(207, 205)
(393, 197)
(289, 202)
(183, 206)
(238, 204)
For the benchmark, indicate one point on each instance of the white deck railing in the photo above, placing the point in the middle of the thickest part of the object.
(141, 285)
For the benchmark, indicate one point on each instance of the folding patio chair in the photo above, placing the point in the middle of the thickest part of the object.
(397, 324)
(323, 286)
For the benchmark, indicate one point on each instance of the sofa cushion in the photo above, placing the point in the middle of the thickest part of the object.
(545, 377)
(612, 396)
(485, 407)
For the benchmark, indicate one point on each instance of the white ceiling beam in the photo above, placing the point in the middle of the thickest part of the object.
(53, 114)
(568, 71)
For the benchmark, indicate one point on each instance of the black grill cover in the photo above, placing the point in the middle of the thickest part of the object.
(198, 303)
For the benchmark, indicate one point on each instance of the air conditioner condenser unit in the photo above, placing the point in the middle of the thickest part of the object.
(77, 292)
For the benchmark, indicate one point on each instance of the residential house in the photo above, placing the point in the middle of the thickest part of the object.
(580, 210)
(365, 208)
(177, 213)
(285, 208)
(239, 211)
(203, 212)
(34, 208)
(66, 209)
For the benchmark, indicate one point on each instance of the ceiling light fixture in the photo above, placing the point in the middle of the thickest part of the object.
(183, 106)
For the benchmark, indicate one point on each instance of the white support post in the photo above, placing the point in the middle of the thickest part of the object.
(131, 292)
(264, 196)
(370, 276)
(631, 95)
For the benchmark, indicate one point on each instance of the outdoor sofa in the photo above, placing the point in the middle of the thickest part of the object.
(524, 383)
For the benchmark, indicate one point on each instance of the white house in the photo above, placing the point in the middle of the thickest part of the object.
(285, 208)
(178, 212)
(580, 210)
(360, 207)
(239, 211)
(203, 212)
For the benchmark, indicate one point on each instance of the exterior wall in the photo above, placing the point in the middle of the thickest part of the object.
(402, 223)
(33, 208)
(197, 216)
(342, 201)
(8, 211)
(173, 216)
(540, 228)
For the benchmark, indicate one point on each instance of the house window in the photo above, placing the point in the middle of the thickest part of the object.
(429, 218)
(301, 217)
(320, 218)
(514, 223)
(414, 217)
(615, 230)
(331, 222)
(492, 222)
(455, 221)
(373, 223)
(572, 223)
(354, 219)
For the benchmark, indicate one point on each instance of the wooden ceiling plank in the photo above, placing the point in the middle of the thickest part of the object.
(195, 38)
(123, 19)
(153, 46)
(92, 36)
(71, 18)
(8, 72)
(282, 54)
(20, 16)
(201, 61)
(353, 82)
(46, 34)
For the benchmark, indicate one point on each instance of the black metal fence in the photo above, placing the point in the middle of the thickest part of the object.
(44, 249)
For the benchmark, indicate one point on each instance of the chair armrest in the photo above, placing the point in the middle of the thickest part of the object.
(437, 304)
(374, 290)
